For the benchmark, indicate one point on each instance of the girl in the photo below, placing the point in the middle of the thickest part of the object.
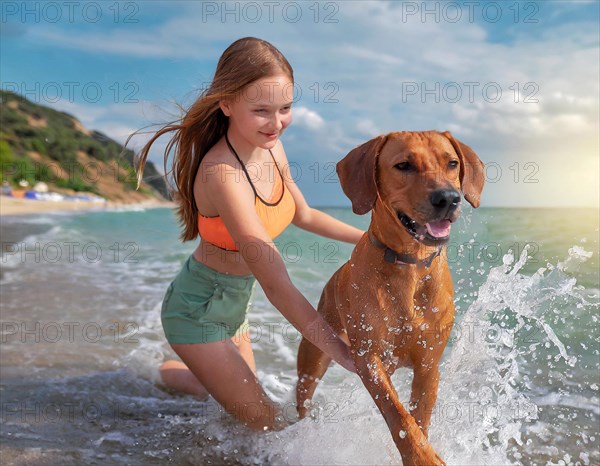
(234, 126)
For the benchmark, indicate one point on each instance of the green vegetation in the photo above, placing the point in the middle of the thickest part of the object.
(15, 168)
(60, 141)
(6, 155)
(76, 183)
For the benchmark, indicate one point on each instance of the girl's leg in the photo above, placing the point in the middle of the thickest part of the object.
(223, 371)
(178, 376)
(243, 343)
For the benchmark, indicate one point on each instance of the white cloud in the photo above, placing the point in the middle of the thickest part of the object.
(368, 128)
(370, 56)
(134, 44)
(308, 118)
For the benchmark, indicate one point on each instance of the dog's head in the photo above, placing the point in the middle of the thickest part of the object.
(418, 176)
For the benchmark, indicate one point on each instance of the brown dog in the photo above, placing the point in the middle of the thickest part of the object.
(393, 300)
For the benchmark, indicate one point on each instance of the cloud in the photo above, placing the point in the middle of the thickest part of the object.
(147, 44)
(192, 30)
(367, 127)
(12, 29)
(371, 57)
(308, 118)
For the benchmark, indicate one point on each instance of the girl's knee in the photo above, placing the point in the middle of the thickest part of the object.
(172, 364)
(176, 375)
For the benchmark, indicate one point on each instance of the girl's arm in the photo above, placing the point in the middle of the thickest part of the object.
(311, 219)
(318, 222)
(235, 203)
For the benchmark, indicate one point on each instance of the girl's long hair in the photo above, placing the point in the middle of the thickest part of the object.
(203, 124)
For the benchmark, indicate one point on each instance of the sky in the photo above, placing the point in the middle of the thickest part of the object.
(516, 81)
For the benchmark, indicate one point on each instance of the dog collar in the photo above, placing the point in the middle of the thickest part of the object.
(398, 258)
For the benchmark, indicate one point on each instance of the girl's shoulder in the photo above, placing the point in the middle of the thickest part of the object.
(214, 179)
(217, 155)
(219, 170)
(218, 166)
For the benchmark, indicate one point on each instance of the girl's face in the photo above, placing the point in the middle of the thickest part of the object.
(262, 111)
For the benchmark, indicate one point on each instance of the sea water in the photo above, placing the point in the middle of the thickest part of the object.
(82, 343)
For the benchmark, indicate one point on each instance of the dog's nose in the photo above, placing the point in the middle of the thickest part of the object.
(445, 199)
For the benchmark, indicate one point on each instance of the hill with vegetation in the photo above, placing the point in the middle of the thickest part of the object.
(38, 143)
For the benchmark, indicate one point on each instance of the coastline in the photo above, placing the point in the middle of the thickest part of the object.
(19, 207)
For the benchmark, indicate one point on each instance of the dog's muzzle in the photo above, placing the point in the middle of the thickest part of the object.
(444, 203)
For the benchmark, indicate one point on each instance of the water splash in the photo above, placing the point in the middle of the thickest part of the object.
(519, 380)
(497, 339)
(492, 401)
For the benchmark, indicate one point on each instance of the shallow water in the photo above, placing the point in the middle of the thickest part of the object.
(81, 343)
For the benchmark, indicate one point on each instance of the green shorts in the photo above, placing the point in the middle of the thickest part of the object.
(202, 305)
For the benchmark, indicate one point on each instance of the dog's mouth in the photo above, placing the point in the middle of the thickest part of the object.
(435, 232)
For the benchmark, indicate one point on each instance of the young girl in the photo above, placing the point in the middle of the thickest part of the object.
(232, 128)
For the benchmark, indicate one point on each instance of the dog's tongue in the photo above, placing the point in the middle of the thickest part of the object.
(439, 229)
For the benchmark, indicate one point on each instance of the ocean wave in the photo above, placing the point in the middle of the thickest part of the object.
(518, 389)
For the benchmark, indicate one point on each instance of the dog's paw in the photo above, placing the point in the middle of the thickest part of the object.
(421, 453)
(423, 456)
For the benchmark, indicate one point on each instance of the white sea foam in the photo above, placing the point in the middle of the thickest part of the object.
(483, 410)
(516, 379)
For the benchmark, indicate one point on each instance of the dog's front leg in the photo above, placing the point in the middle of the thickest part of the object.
(424, 395)
(410, 441)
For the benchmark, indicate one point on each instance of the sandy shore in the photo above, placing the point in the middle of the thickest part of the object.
(16, 206)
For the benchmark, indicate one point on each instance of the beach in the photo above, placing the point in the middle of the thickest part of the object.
(82, 341)
(21, 206)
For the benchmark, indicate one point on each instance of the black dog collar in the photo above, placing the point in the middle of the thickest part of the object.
(394, 257)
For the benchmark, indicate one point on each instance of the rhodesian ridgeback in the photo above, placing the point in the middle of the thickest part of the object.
(392, 302)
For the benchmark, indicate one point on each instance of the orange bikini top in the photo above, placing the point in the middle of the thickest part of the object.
(275, 215)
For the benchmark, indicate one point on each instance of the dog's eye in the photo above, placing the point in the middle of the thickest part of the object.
(403, 166)
(453, 164)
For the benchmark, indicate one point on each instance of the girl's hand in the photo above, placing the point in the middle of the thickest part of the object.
(347, 362)
(320, 334)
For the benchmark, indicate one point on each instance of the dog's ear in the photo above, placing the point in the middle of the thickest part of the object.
(356, 172)
(472, 177)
